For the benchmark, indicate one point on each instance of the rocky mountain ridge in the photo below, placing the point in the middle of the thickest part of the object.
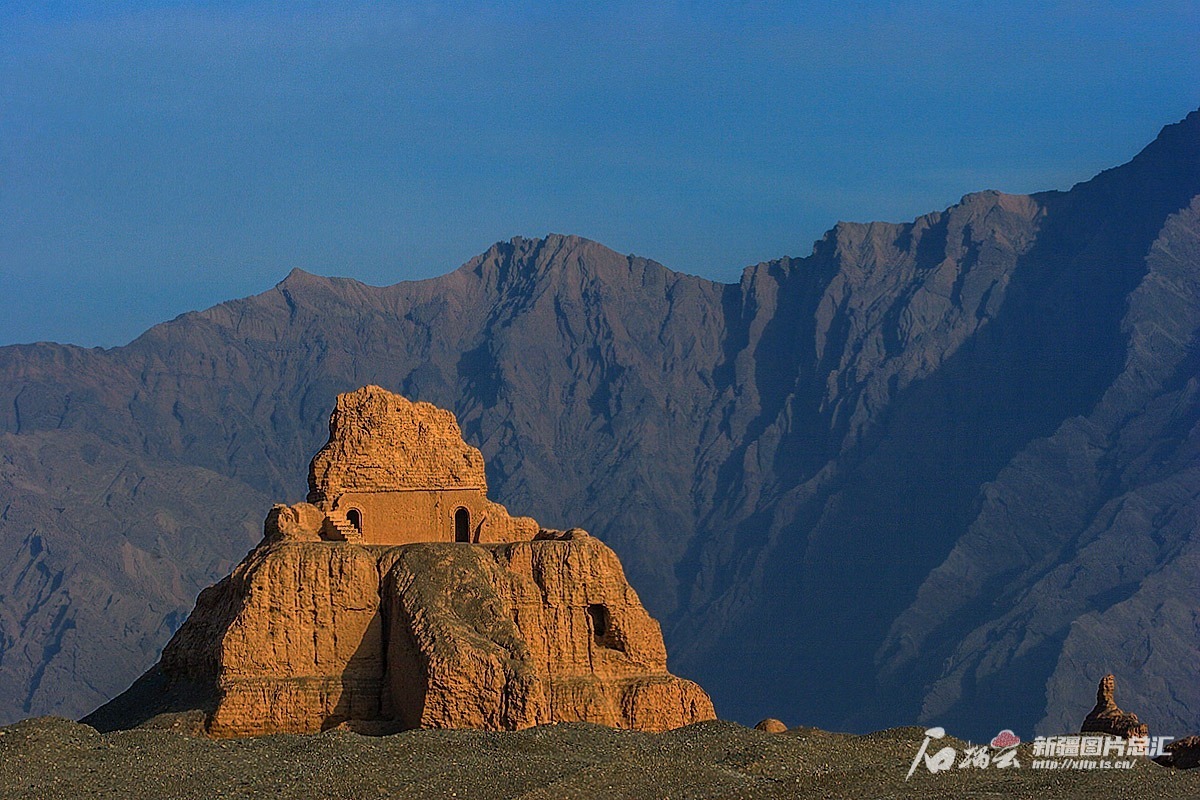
(930, 472)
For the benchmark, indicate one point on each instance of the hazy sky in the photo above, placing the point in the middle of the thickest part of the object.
(158, 157)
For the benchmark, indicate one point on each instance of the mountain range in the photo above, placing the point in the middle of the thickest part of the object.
(945, 471)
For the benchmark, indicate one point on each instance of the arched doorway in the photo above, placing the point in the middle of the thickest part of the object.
(355, 517)
(462, 525)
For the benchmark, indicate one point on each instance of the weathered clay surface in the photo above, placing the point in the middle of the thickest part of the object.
(395, 472)
(301, 522)
(534, 632)
(498, 637)
(1106, 717)
(380, 441)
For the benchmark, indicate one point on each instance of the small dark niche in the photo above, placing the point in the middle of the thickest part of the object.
(602, 627)
(599, 615)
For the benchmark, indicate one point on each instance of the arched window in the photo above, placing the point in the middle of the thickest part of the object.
(462, 525)
(355, 517)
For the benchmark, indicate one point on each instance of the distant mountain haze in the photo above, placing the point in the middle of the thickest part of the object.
(938, 472)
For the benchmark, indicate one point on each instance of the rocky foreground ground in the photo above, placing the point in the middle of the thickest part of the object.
(55, 758)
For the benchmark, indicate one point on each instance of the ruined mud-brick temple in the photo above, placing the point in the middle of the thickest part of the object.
(396, 472)
(399, 596)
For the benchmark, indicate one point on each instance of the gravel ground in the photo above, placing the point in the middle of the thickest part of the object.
(56, 758)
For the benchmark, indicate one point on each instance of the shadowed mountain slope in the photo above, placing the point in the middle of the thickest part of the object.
(939, 471)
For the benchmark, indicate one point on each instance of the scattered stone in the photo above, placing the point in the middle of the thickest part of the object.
(1107, 718)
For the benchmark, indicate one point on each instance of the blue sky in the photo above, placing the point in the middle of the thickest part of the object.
(159, 157)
